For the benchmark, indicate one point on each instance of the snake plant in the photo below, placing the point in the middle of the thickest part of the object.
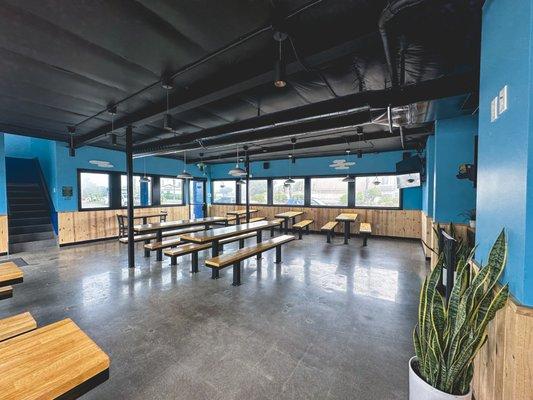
(448, 336)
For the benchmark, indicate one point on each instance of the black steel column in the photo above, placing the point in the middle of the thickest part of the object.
(129, 172)
(247, 167)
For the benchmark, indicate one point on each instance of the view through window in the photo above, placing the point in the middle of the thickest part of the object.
(329, 192)
(292, 194)
(258, 192)
(142, 191)
(94, 190)
(224, 192)
(377, 191)
(171, 190)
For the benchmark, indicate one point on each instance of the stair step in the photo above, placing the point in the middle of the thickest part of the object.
(28, 207)
(31, 237)
(26, 200)
(24, 190)
(32, 246)
(28, 221)
(18, 230)
(16, 185)
(28, 214)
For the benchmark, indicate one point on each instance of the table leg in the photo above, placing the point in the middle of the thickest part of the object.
(146, 251)
(145, 220)
(346, 231)
(293, 222)
(159, 238)
(286, 226)
(214, 253)
(259, 240)
(237, 219)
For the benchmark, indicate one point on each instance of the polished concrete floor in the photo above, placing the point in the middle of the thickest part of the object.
(331, 322)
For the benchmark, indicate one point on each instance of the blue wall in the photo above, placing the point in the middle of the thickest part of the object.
(505, 181)
(375, 163)
(428, 187)
(3, 196)
(454, 145)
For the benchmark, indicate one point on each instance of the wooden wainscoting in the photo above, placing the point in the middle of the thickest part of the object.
(80, 226)
(398, 223)
(504, 366)
(4, 234)
(426, 228)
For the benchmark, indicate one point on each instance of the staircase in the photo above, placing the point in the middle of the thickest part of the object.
(30, 226)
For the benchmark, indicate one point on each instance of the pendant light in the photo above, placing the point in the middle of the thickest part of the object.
(376, 181)
(290, 181)
(279, 65)
(185, 174)
(144, 178)
(237, 171)
(348, 179)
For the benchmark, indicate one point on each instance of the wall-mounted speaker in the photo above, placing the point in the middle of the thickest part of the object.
(266, 165)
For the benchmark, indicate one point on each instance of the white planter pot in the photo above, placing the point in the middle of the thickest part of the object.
(420, 390)
(472, 224)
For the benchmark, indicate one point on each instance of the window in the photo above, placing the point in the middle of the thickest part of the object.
(171, 190)
(329, 192)
(94, 190)
(258, 192)
(288, 194)
(377, 191)
(142, 191)
(224, 192)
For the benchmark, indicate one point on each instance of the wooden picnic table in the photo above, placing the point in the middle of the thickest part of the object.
(239, 213)
(56, 361)
(213, 236)
(289, 215)
(347, 218)
(145, 217)
(159, 227)
(10, 274)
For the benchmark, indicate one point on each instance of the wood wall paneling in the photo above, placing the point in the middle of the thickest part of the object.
(79, 226)
(4, 234)
(397, 223)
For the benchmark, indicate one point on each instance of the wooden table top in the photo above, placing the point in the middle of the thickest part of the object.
(48, 362)
(228, 231)
(289, 214)
(181, 223)
(347, 217)
(9, 272)
(241, 212)
(159, 214)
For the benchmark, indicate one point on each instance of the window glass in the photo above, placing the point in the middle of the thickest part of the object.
(377, 191)
(258, 192)
(292, 194)
(171, 190)
(142, 191)
(224, 192)
(329, 192)
(94, 190)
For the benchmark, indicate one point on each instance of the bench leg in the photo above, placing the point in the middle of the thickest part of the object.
(299, 234)
(278, 254)
(194, 262)
(272, 232)
(307, 229)
(214, 273)
(173, 260)
(237, 274)
(365, 238)
(241, 243)
(259, 240)
(146, 251)
(159, 255)
(346, 231)
(328, 236)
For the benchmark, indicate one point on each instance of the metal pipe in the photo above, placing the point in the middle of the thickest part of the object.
(129, 175)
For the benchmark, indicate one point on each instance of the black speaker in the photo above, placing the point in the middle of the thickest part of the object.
(266, 165)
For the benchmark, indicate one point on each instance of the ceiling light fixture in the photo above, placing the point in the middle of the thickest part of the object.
(376, 182)
(185, 174)
(144, 178)
(290, 181)
(348, 179)
(237, 171)
(279, 65)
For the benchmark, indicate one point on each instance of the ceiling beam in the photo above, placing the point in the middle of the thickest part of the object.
(351, 141)
(229, 82)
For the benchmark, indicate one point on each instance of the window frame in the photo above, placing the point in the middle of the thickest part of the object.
(237, 192)
(183, 184)
(110, 192)
(242, 202)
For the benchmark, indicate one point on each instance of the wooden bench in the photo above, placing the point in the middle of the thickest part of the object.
(184, 249)
(10, 274)
(300, 226)
(239, 238)
(57, 361)
(225, 260)
(154, 246)
(6, 292)
(150, 236)
(280, 222)
(16, 325)
(138, 238)
(365, 229)
(329, 228)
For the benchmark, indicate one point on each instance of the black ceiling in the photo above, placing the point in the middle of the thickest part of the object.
(62, 62)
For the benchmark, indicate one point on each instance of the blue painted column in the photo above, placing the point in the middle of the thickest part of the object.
(505, 177)
(454, 145)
